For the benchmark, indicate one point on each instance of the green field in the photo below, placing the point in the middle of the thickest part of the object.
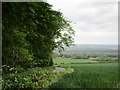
(100, 75)
(72, 61)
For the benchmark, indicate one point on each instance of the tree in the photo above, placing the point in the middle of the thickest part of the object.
(31, 31)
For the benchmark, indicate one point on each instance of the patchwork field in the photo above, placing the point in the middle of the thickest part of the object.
(100, 75)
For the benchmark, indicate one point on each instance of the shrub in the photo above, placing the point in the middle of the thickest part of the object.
(33, 78)
(7, 69)
(43, 62)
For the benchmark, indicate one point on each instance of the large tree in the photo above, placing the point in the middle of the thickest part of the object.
(31, 31)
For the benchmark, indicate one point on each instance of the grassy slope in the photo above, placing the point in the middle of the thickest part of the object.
(90, 76)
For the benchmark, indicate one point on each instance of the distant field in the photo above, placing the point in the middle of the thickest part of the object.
(72, 61)
(100, 75)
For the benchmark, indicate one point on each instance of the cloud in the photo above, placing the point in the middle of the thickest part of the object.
(96, 21)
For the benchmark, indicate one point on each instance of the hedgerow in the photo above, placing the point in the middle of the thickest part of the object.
(33, 78)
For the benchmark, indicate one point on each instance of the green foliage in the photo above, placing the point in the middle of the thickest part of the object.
(7, 69)
(43, 62)
(33, 78)
(31, 31)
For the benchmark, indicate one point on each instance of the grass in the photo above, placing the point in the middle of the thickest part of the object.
(72, 61)
(102, 75)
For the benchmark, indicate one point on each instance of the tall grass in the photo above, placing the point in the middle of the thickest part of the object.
(90, 76)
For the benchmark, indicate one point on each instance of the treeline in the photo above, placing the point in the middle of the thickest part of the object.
(31, 31)
(84, 55)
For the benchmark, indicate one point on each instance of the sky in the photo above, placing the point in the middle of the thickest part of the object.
(94, 21)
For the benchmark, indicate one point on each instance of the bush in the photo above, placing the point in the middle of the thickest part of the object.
(33, 78)
(43, 62)
(7, 69)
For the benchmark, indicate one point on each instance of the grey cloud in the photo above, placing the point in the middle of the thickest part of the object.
(96, 21)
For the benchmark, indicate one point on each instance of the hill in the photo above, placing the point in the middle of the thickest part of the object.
(91, 48)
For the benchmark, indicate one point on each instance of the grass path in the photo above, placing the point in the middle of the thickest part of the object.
(90, 76)
(58, 69)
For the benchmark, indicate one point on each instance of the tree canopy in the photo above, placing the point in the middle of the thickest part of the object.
(31, 31)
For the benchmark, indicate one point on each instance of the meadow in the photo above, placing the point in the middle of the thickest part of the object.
(72, 61)
(99, 75)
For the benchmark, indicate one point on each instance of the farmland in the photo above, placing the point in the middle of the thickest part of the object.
(73, 61)
(95, 66)
(101, 75)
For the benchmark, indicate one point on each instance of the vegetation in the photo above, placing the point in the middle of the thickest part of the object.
(31, 31)
(0, 82)
(33, 78)
(104, 75)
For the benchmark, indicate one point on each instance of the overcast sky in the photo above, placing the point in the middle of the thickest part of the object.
(94, 21)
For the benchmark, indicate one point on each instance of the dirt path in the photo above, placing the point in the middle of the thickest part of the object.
(58, 69)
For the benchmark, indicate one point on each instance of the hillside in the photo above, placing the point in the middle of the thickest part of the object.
(91, 48)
